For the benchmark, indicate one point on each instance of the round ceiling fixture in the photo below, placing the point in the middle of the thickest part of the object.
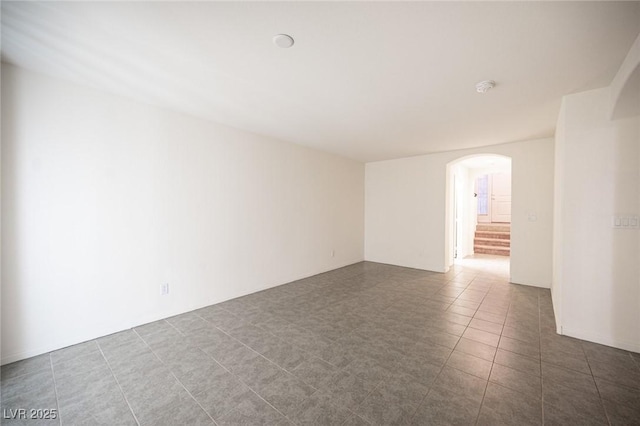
(284, 41)
(484, 86)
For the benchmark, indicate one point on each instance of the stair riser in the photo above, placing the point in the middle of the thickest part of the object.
(493, 238)
(492, 251)
(493, 228)
(493, 235)
(498, 243)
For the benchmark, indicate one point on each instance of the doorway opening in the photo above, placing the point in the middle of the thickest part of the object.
(479, 211)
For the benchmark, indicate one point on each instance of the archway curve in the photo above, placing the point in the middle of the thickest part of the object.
(461, 215)
(626, 86)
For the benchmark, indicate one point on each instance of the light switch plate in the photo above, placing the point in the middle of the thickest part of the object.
(626, 221)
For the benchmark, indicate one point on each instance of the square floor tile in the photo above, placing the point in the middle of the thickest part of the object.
(443, 407)
(286, 393)
(252, 410)
(516, 380)
(320, 409)
(480, 350)
(573, 402)
(502, 406)
(470, 364)
(461, 383)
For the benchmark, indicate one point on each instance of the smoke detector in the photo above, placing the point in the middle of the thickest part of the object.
(484, 86)
(284, 41)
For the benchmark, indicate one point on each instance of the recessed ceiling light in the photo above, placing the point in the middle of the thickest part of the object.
(484, 86)
(284, 41)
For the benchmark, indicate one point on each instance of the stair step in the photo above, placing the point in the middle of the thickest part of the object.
(492, 242)
(498, 227)
(500, 251)
(494, 235)
(493, 238)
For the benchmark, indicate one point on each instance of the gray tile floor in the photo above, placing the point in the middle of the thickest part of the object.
(365, 344)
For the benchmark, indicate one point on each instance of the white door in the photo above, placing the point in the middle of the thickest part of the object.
(501, 197)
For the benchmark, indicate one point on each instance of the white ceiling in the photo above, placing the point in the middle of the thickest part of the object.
(367, 80)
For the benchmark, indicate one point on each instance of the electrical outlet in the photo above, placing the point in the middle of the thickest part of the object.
(164, 289)
(333, 253)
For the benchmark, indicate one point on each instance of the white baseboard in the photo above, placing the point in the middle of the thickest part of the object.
(628, 345)
(115, 328)
(521, 282)
(54, 346)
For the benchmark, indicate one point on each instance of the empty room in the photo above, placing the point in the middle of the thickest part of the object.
(320, 213)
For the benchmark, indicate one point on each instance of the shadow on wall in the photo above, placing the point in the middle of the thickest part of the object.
(625, 242)
(625, 254)
(13, 254)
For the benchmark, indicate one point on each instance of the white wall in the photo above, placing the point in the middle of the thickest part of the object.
(406, 210)
(558, 222)
(464, 198)
(596, 287)
(104, 199)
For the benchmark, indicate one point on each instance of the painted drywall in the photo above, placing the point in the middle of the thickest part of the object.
(104, 199)
(464, 214)
(558, 221)
(596, 287)
(406, 209)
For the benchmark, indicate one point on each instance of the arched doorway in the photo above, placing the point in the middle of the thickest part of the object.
(479, 210)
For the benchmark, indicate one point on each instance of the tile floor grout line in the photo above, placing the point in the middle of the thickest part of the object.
(492, 361)
(269, 332)
(379, 384)
(197, 347)
(172, 326)
(173, 375)
(238, 377)
(431, 386)
(192, 397)
(55, 389)
(484, 394)
(604, 409)
(251, 349)
(118, 381)
(424, 398)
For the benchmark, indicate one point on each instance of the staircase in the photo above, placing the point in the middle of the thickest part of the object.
(493, 238)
